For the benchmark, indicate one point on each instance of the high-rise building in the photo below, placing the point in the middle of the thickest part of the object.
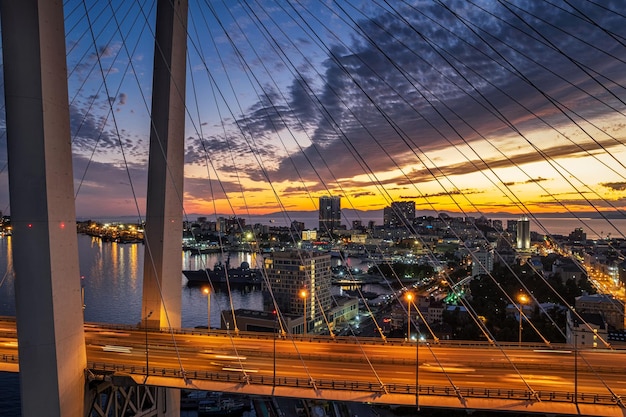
(511, 226)
(578, 235)
(523, 233)
(309, 234)
(482, 261)
(329, 214)
(299, 282)
(399, 214)
(610, 308)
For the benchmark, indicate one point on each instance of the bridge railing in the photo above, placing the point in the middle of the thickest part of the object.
(364, 386)
(10, 359)
(337, 339)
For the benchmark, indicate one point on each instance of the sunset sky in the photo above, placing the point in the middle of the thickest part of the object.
(462, 106)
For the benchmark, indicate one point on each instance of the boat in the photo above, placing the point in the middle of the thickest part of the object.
(198, 248)
(223, 273)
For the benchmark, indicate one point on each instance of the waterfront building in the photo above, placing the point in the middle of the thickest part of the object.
(578, 236)
(309, 234)
(511, 226)
(344, 310)
(230, 224)
(360, 238)
(482, 261)
(329, 214)
(523, 234)
(260, 321)
(431, 309)
(299, 282)
(399, 214)
(620, 273)
(590, 332)
(297, 226)
(610, 308)
(568, 270)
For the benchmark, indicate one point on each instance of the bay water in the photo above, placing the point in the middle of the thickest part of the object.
(112, 277)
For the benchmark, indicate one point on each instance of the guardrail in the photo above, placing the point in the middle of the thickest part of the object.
(365, 386)
(337, 339)
(9, 358)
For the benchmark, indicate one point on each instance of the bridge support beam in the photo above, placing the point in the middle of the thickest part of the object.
(111, 395)
(47, 292)
(164, 209)
(162, 293)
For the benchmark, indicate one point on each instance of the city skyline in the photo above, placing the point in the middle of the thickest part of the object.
(462, 109)
(359, 123)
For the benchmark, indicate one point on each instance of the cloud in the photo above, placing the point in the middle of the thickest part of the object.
(615, 186)
(88, 66)
(478, 76)
(440, 76)
(362, 194)
(444, 194)
(103, 189)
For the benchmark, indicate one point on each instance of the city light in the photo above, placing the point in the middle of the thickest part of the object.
(409, 299)
(304, 294)
(207, 292)
(522, 300)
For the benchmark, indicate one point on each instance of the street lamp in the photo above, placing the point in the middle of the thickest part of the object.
(303, 295)
(207, 291)
(275, 313)
(409, 298)
(575, 366)
(145, 322)
(522, 300)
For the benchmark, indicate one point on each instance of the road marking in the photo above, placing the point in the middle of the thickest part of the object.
(118, 349)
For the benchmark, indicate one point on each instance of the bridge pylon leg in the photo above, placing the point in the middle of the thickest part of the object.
(162, 293)
(48, 300)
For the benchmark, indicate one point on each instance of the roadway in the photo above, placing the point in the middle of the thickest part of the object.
(461, 367)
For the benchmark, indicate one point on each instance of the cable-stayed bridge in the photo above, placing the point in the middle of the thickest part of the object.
(467, 375)
(55, 348)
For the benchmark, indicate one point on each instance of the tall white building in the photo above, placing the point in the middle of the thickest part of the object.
(482, 261)
(523, 233)
(299, 281)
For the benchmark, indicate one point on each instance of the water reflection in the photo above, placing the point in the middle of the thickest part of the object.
(208, 260)
(113, 276)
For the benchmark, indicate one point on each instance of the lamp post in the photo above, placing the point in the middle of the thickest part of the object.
(275, 312)
(522, 300)
(145, 325)
(409, 298)
(417, 367)
(82, 292)
(303, 295)
(575, 366)
(207, 291)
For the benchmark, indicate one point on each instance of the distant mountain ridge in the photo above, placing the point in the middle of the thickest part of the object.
(348, 215)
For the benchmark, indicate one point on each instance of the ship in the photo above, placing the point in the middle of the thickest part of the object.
(223, 273)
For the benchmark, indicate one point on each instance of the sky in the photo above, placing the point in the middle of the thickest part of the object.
(461, 106)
